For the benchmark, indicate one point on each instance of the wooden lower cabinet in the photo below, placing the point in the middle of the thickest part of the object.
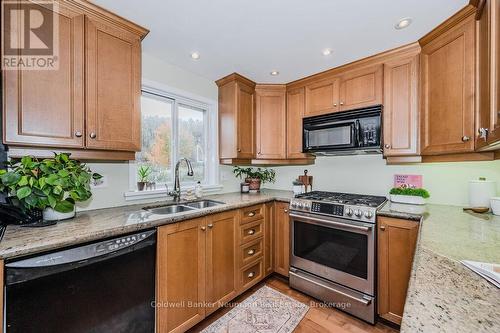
(396, 247)
(281, 239)
(221, 259)
(181, 275)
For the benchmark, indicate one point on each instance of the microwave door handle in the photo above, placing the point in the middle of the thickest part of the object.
(357, 133)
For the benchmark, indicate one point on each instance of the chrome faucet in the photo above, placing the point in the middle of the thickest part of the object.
(176, 193)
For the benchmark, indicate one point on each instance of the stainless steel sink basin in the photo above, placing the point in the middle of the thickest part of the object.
(203, 204)
(182, 207)
(170, 209)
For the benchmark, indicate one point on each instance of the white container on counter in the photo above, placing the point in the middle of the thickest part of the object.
(408, 199)
(480, 192)
(495, 205)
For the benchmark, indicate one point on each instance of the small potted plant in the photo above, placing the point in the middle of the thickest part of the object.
(255, 177)
(143, 172)
(51, 185)
(408, 195)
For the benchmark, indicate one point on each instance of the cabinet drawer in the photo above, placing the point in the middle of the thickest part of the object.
(252, 213)
(251, 275)
(251, 252)
(251, 231)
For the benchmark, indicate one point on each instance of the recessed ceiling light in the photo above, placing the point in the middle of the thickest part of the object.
(274, 73)
(195, 55)
(327, 52)
(403, 23)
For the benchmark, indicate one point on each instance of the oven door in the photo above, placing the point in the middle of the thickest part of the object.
(329, 136)
(336, 249)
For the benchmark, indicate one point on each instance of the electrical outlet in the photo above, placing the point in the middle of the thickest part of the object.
(99, 183)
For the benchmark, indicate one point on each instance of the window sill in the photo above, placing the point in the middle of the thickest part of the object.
(163, 193)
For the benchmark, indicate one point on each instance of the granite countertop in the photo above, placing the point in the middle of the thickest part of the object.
(102, 223)
(443, 295)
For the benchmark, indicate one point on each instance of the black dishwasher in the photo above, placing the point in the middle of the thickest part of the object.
(108, 286)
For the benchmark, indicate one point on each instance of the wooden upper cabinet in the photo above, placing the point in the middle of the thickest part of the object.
(236, 117)
(396, 247)
(295, 105)
(322, 97)
(113, 74)
(181, 275)
(46, 107)
(400, 116)
(271, 121)
(361, 88)
(281, 239)
(222, 277)
(447, 94)
(488, 87)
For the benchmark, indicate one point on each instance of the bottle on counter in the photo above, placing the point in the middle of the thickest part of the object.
(198, 190)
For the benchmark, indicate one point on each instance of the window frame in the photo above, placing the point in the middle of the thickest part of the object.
(181, 98)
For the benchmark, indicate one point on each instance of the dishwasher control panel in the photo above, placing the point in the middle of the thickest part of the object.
(119, 243)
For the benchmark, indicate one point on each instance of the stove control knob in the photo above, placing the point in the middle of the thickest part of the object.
(368, 214)
(358, 213)
(300, 205)
(349, 211)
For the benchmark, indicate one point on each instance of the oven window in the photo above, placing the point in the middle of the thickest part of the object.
(337, 136)
(339, 249)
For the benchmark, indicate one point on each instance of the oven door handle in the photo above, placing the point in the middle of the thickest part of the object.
(329, 222)
(360, 300)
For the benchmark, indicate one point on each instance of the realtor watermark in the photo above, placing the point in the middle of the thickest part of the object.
(30, 35)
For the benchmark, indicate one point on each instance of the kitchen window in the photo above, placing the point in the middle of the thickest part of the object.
(174, 127)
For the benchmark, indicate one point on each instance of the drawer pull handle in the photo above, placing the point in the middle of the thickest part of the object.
(251, 214)
(382, 227)
(251, 252)
(251, 231)
(203, 228)
(251, 275)
(210, 226)
(93, 135)
(78, 134)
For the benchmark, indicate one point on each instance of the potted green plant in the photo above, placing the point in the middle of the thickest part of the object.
(143, 172)
(407, 195)
(255, 177)
(52, 185)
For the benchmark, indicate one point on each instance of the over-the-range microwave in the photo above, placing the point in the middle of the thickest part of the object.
(343, 133)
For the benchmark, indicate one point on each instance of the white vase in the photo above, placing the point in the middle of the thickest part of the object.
(408, 199)
(50, 214)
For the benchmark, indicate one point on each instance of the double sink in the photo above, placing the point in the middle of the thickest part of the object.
(182, 207)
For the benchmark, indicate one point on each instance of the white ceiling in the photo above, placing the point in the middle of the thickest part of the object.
(254, 37)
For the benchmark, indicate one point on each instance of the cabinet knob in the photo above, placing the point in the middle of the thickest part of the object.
(335, 104)
(78, 134)
(210, 226)
(251, 275)
(251, 252)
(382, 227)
(93, 135)
(465, 138)
(251, 214)
(285, 210)
(259, 153)
(483, 133)
(341, 103)
(387, 146)
(251, 231)
(203, 228)
(239, 150)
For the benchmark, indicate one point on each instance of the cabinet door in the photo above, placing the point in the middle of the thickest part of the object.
(180, 275)
(396, 246)
(361, 88)
(295, 105)
(268, 238)
(221, 252)
(245, 121)
(46, 107)
(322, 97)
(282, 239)
(447, 73)
(113, 74)
(400, 114)
(488, 87)
(271, 122)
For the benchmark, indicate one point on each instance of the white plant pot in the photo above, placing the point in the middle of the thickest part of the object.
(495, 205)
(50, 214)
(408, 199)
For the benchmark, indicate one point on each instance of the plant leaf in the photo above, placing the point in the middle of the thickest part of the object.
(64, 206)
(10, 178)
(23, 192)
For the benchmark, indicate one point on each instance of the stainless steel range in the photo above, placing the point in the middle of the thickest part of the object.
(333, 249)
